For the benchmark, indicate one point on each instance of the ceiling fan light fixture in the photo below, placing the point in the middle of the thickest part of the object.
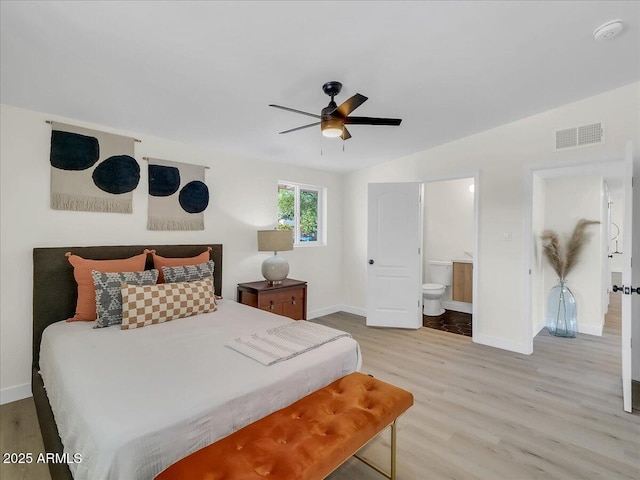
(334, 118)
(332, 127)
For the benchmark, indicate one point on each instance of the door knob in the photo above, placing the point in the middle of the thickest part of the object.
(371, 261)
(626, 290)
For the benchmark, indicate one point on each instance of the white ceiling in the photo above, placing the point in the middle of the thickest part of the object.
(204, 72)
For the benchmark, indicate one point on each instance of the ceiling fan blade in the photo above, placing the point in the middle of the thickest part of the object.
(345, 134)
(295, 111)
(394, 122)
(300, 128)
(351, 104)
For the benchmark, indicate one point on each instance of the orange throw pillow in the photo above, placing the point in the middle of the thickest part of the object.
(159, 262)
(86, 306)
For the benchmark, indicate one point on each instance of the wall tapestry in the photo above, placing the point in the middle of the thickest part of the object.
(91, 171)
(178, 196)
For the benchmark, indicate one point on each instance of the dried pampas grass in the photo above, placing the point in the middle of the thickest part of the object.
(563, 262)
(551, 249)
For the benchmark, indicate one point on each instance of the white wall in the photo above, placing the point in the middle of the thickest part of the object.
(448, 223)
(538, 297)
(503, 156)
(605, 264)
(567, 200)
(243, 200)
(448, 226)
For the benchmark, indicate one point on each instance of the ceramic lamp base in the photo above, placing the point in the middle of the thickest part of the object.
(275, 269)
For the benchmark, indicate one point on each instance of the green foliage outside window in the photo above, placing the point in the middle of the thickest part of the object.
(308, 212)
(308, 215)
(286, 209)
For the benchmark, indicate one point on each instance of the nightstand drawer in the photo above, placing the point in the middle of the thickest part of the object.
(291, 296)
(276, 308)
(288, 299)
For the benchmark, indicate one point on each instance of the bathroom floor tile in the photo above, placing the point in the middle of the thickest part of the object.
(450, 321)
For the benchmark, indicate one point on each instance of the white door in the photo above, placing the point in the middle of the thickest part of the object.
(628, 287)
(394, 286)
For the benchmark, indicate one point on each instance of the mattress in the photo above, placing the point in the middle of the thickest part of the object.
(129, 403)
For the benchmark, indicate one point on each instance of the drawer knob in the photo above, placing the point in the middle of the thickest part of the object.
(293, 300)
(271, 306)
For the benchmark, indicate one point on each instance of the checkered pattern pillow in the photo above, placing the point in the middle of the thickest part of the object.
(188, 273)
(150, 304)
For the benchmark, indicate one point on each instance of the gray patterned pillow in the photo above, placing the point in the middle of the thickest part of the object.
(109, 294)
(188, 273)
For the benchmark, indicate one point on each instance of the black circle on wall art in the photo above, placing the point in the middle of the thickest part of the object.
(194, 197)
(117, 174)
(72, 151)
(163, 181)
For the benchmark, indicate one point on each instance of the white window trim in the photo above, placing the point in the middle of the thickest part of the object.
(322, 213)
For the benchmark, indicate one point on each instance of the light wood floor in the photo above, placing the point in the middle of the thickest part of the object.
(479, 413)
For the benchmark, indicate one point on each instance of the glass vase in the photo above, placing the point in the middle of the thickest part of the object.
(561, 319)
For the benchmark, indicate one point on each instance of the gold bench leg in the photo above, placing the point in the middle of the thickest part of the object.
(393, 450)
(391, 476)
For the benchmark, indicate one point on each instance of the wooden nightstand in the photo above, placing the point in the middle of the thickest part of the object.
(288, 299)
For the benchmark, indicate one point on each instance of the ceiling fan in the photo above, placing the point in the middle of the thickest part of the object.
(333, 118)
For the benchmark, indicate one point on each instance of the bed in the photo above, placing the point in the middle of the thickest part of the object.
(131, 403)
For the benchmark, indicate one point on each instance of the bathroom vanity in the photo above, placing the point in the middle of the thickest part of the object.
(462, 290)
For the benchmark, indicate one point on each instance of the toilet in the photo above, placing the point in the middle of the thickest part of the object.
(440, 276)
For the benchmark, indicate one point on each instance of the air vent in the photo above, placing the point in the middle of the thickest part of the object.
(583, 136)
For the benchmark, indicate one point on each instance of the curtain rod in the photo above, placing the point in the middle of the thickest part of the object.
(51, 123)
(208, 168)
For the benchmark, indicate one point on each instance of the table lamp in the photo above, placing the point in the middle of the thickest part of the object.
(275, 269)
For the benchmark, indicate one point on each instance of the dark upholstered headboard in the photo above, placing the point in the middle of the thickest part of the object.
(55, 291)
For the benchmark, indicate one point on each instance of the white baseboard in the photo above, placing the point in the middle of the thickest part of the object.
(355, 310)
(586, 329)
(12, 394)
(538, 328)
(458, 306)
(335, 309)
(590, 329)
(502, 343)
(323, 311)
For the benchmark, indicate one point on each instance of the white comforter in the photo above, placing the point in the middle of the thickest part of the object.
(132, 402)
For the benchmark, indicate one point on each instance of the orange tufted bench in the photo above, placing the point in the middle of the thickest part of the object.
(307, 440)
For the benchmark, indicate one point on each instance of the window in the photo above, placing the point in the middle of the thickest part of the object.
(301, 209)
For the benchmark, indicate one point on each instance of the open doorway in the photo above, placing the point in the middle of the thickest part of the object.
(609, 174)
(448, 255)
(559, 198)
